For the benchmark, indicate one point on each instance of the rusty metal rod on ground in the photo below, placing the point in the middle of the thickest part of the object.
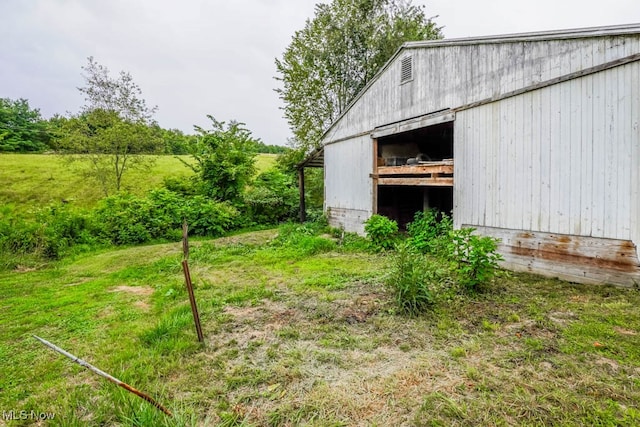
(192, 299)
(104, 375)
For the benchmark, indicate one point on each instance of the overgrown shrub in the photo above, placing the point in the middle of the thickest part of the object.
(65, 227)
(429, 231)
(125, 219)
(381, 231)
(411, 280)
(57, 228)
(475, 257)
(208, 217)
(272, 198)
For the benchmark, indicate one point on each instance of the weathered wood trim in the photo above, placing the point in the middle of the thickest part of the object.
(419, 182)
(580, 259)
(374, 188)
(568, 34)
(571, 76)
(416, 169)
(346, 138)
(413, 123)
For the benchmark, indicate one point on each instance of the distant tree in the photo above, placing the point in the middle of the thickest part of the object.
(175, 141)
(225, 159)
(113, 130)
(337, 53)
(261, 147)
(22, 128)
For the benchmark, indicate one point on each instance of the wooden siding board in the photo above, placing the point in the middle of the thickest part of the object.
(556, 166)
(635, 157)
(610, 172)
(599, 153)
(520, 163)
(474, 167)
(575, 149)
(586, 145)
(563, 158)
(536, 153)
(624, 155)
(580, 258)
(526, 174)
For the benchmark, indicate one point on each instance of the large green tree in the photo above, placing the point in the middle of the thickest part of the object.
(21, 127)
(225, 159)
(337, 53)
(114, 129)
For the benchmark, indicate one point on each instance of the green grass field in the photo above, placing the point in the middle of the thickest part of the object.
(30, 181)
(307, 335)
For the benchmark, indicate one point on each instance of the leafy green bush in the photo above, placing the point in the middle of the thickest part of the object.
(475, 257)
(411, 280)
(125, 219)
(208, 217)
(427, 233)
(273, 198)
(381, 231)
(57, 228)
(65, 227)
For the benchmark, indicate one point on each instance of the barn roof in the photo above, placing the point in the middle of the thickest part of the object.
(566, 34)
(315, 158)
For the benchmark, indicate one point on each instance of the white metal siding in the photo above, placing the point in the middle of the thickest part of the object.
(348, 186)
(452, 76)
(562, 159)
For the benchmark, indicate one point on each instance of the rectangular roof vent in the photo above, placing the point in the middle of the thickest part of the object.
(406, 69)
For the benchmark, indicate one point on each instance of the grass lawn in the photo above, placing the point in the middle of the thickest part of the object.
(307, 335)
(31, 181)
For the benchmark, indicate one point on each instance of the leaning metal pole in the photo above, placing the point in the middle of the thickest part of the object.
(104, 375)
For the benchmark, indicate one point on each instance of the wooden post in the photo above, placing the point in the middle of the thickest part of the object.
(192, 300)
(187, 279)
(303, 209)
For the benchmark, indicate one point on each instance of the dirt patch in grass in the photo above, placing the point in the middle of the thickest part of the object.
(254, 238)
(135, 290)
(624, 331)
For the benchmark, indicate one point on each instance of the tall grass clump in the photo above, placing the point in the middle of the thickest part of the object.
(302, 240)
(411, 280)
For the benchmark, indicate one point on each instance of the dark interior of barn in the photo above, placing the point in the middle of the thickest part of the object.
(424, 146)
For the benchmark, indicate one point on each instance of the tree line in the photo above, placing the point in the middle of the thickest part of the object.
(24, 130)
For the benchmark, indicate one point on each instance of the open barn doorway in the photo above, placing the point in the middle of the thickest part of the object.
(414, 172)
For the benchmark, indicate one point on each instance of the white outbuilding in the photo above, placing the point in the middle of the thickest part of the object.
(531, 138)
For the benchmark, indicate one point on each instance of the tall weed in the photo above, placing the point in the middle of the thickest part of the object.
(411, 280)
(475, 257)
(429, 231)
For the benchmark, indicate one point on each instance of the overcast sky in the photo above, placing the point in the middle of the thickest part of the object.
(197, 57)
